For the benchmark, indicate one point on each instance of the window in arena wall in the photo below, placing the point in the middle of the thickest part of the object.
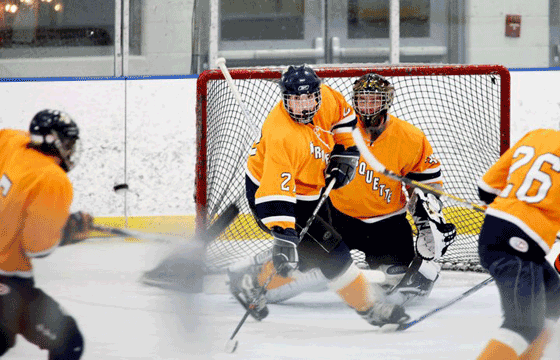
(370, 19)
(53, 28)
(261, 20)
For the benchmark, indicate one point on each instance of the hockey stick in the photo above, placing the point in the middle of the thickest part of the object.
(232, 344)
(221, 63)
(377, 166)
(184, 269)
(217, 227)
(166, 239)
(475, 288)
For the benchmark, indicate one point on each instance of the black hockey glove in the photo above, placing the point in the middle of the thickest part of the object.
(77, 228)
(342, 165)
(434, 233)
(284, 251)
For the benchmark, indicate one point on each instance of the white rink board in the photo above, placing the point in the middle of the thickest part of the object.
(160, 134)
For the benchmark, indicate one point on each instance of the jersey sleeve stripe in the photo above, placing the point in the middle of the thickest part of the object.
(345, 125)
(425, 176)
(23, 274)
(41, 254)
(253, 179)
(270, 209)
(308, 197)
(271, 219)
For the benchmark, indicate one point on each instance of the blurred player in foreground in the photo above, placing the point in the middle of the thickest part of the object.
(35, 198)
(520, 227)
(370, 212)
(285, 176)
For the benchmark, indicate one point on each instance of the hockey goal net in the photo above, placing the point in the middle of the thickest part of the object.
(463, 110)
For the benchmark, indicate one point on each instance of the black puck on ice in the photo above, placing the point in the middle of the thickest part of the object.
(120, 187)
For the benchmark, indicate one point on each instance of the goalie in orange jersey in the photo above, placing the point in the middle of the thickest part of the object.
(520, 227)
(35, 198)
(284, 180)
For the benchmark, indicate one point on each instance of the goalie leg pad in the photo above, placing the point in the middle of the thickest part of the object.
(310, 281)
(416, 284)
(393, 275)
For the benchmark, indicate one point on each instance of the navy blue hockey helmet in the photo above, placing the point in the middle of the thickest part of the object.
(54, 133)
(301, 93)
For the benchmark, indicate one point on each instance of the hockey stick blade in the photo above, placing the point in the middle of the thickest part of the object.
(221, 223)
(475, 288)
(155, 237)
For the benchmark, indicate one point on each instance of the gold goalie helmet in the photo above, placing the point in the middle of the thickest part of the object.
(372, 97)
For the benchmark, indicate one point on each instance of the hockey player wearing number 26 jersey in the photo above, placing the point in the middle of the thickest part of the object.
(286, 172)
(520, 227)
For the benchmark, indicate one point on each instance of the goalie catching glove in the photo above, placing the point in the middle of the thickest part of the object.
(77, 228)
(434, 234)
(284, 251)
(342, 165)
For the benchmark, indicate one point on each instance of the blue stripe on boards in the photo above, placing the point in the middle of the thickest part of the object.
(100, 78)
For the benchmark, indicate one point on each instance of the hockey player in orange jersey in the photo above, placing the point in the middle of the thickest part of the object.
(35, 198)
(308, 129)
(521, 224)
(370, 212)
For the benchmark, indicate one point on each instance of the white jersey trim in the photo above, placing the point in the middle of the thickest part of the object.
(429, 171)
(484, 186)
(42, 253)
(514, 220)
(22, 274)
(269, 198)
(432, 180)
(253, 179)
(383, 217)
(340, 125)
(308, 197)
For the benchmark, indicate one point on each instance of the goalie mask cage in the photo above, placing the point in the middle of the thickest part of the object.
(462, 109)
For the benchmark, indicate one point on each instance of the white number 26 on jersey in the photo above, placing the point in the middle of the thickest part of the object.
(534, 174)
(5, 185)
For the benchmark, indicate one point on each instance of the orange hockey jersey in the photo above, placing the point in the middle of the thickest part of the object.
(35, 199)
(288, 162)
(403, 149)
(526, 179)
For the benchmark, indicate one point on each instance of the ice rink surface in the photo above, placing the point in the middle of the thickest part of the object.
(97, 282)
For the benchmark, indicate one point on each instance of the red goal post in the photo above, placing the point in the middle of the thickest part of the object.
(464, 110)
